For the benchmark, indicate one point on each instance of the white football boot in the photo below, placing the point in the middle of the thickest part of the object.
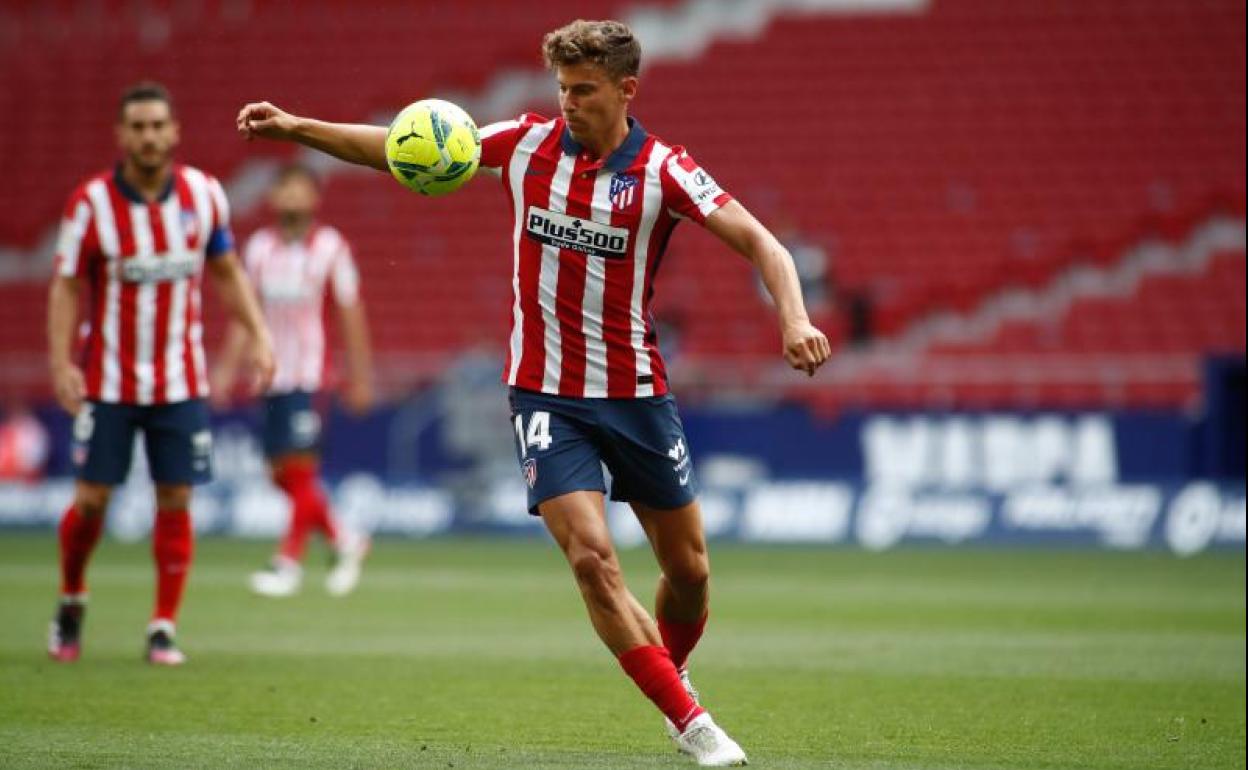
(282, 578)
(672, 732)
(706, 742)
(348, 562)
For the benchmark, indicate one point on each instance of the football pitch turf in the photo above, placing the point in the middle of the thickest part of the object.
(477, 654)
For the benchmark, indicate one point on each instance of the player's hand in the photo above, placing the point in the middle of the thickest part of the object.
(265, 120)
(70, 387)
(805, 347)
(358, 397)
(260, 359)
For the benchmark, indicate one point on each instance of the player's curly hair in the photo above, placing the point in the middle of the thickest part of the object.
(608, 44)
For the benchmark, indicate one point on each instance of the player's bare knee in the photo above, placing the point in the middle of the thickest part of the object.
(92, 499)
(689, 574)
(595, 569)
(173, 497)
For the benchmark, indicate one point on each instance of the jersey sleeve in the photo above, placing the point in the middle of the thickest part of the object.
(499, 140)
(220, 239)
(344, 277)
(689, 192)
(76, 245)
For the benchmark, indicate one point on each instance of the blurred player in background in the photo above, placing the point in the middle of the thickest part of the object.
(139, 236)
(588, 384)
(293, 263)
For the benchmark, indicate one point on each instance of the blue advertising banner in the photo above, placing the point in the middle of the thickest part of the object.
(1096, 479)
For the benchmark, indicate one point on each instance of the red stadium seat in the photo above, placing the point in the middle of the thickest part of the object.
(939, 159)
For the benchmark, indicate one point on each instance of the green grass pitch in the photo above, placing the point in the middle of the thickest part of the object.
(477, 654)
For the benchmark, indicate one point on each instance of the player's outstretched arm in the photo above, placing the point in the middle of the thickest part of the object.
(355, 143)
(805, 347)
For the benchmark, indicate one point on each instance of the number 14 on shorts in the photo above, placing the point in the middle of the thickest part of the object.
(537, 435)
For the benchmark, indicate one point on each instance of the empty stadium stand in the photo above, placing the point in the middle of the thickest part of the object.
(939, 159)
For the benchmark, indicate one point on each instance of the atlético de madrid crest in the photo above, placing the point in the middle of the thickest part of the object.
(622, 188)
(190, 224)
(530, 471)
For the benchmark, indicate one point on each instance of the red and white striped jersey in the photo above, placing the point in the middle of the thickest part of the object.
(587, 241)
(144, 262)
(291, 278)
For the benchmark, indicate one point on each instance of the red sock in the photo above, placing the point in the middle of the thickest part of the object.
(324, 516)
(651, 668)
(78, 535)
(172, 546)
(680, 638)
(309, 508)
(296, 539)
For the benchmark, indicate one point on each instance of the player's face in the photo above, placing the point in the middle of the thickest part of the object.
(147, 134)
(294, 198)
(592, 103)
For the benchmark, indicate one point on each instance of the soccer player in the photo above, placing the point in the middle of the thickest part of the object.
(595, 197)
(138, 236)
(292, 264)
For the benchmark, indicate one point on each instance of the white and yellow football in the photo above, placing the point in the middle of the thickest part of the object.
(433, 147)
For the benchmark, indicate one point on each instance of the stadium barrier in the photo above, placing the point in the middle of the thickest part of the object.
(768, 474)
(1182, 517)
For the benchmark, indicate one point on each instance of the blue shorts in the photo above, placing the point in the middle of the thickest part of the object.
(176, 436)
(562, 444)
(290, 424)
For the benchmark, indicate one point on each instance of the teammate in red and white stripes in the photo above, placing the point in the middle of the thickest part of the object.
(137, 238)
(293, 265)
(595, 198)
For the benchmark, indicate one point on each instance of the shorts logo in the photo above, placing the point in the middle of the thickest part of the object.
(84, 427)
(201, 449)
(530, 471)
(623, 187)
(680, 456)
(84, 423)
(305, 428)
(586, 236)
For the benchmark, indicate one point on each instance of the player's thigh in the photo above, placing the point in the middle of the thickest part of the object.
(577, 520)
(290, 424)
(644, 446)
(678, 539)
(578, 523)
(179, 442)
(554, 447)
(103, 442)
